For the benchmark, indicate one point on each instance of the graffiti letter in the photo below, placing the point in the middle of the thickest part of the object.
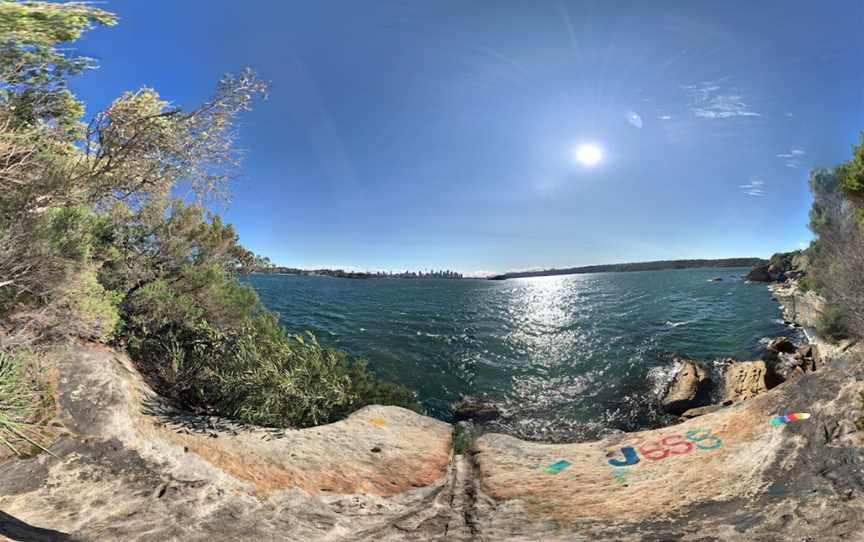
(653, 451)
(630, 458)
(700, 435)
(677, 441)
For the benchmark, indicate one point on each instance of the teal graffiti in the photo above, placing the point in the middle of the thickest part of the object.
(555, 468)
(694, 436)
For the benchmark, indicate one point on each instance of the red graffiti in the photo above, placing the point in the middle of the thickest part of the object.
(668, 446)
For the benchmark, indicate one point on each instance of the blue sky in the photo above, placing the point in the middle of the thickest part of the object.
(410, 134)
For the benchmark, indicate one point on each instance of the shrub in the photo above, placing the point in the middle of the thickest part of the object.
(463, 440)
(83, 308)
(851, 174)
(260, 374)
(832, 325)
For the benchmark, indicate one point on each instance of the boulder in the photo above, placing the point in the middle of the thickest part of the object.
(688, 381)
(785, 361)
(781, 367)
(782, 344)
(477, 408)
(808, 357)
(744, 380)
(758, 274)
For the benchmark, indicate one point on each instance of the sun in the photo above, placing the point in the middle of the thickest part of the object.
(589, 154)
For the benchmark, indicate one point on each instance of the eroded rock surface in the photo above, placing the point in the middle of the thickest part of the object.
(689, 379)
(744, 380)
(130, 469)
(726, 475)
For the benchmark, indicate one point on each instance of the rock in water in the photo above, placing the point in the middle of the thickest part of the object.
(478, 408)
(744, 380)
(688, 381)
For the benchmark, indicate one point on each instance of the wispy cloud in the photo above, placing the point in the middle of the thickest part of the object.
(792, 158)
(711, 101)
(754, 188)
(666, 117)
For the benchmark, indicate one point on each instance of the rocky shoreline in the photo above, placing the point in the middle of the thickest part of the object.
(125, 467)
(696, 389)
(733, 381)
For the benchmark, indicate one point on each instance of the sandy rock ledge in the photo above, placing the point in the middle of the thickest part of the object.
(131, 469)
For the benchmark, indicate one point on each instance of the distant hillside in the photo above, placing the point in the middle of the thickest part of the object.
(639, 266)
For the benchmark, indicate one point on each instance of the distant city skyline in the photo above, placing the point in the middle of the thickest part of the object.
(501, 136)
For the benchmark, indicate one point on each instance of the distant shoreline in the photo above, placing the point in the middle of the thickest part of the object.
(343, 274)
(659, 265)
(636, 266)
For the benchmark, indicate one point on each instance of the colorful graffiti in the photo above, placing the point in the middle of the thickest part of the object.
(620, 476)
(555, 468)
(378, 422)
(668, 446)
(794, 417)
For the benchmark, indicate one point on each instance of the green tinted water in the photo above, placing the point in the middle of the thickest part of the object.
(569, 357)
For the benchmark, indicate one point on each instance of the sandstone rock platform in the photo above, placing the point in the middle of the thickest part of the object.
(128, 468)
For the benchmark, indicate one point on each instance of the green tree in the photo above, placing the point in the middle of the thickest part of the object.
(34, 70)
(97, 241)
(851, 176)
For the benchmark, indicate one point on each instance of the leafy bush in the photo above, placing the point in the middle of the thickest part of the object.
(783, 260)
(86, 309)
(806, 284)
(852, 173)
(260, 374)
(832, 325)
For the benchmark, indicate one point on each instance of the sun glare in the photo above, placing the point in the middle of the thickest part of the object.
(589, 155)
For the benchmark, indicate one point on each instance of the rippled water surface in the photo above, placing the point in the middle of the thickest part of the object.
(568, 356)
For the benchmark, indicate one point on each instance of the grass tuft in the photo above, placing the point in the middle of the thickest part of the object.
(22, 399)
(463, 440)
(859, 423)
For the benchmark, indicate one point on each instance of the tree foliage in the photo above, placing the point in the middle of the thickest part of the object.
(835, 260)
(851, 176)
(98, 240)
